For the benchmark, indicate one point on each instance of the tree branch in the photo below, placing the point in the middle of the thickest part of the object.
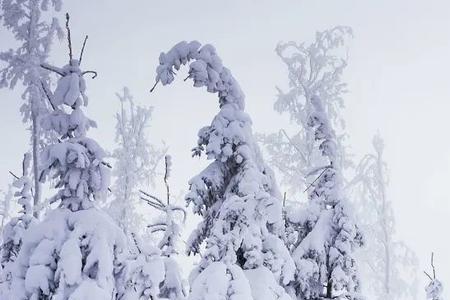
(92, 72)
(154, 86)
(82, 50)
(312, 183)
(52, 69)
(14, 175)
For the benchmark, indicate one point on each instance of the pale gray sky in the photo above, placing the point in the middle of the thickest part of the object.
(397, 77)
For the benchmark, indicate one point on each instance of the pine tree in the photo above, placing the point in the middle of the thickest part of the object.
(75, 252)
(25, 19)
(388, 266)
(236, 195)
(323, 235)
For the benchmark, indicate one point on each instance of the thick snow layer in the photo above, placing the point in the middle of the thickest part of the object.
(220, 282)
(77, 249)
(263, 285)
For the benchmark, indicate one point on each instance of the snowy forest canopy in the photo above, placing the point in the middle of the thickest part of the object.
(81, 222)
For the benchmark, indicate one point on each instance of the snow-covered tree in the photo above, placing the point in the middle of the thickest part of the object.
(315, 69)
(388, 266)
(75, 252)
(434, 288)
(5, 207)
(14, 230)
(328, 234)
(143, 272)
(136, 162)
(154, 272)
(34, 34)
(242, 230)
(323, 235)
(169, 222)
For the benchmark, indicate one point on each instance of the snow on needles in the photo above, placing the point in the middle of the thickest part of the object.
(242, 227)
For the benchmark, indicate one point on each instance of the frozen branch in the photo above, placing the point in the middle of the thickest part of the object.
(69, 40)
(90, 72)
(82, 49)
(53, 69)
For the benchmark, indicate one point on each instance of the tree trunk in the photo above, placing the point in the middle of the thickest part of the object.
(35, 154)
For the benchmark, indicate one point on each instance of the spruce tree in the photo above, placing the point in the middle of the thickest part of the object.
(236, 195)
(75, 252)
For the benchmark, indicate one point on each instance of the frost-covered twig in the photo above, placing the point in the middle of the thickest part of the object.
(434, 289)
(433, 268)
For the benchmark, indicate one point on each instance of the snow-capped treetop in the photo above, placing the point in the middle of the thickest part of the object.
(206, 70)
(77, 251)
(315, 70)
(236, 194)
(75, 160)
(327, 234)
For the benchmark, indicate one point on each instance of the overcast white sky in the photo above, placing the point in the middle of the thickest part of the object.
(397, 76)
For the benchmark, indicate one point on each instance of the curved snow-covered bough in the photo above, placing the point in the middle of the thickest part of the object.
(206, 70)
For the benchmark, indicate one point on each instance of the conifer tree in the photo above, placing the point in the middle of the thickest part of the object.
(236, 195)
(75, 252)
(154, 271)
(14, 230)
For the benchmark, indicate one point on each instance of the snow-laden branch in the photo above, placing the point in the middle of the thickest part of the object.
(205, 70)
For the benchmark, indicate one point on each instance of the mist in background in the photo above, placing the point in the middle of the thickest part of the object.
(397, 78)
